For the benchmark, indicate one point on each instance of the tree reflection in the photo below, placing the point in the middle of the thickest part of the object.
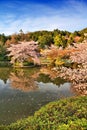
(46, 79)
(45, 72)
(21, 81)
(48, 76)
(4, 74)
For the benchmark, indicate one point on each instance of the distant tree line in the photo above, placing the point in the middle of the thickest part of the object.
(44, 39)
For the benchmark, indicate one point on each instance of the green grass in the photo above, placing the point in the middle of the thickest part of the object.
(66, 114)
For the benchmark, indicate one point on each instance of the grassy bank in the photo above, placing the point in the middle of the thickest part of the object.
(66, 114)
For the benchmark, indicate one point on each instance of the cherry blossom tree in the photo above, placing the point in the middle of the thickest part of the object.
(23, 51)
(80, 55)
(78, 76)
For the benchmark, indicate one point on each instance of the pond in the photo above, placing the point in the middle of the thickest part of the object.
(24, 91)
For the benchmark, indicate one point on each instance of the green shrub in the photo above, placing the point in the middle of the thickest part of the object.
(66, 114)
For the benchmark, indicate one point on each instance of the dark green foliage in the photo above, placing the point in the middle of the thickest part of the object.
(76, 33)
(3, 53)
(45, 40)
(26, 63)
(4, 73)
(43, 78)
(46, 79)
(3, 38)
(66, 114)
(70, 40)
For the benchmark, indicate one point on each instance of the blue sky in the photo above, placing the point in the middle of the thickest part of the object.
(34, 15)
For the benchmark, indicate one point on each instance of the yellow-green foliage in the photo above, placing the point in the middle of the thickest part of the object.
(57, 56)
(59, 62)
(66, 114)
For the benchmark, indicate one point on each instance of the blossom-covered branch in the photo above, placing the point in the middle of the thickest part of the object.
(22, 51)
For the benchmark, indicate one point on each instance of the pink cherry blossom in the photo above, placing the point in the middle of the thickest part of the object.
(24, 50)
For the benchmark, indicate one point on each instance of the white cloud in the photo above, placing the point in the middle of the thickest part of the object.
(45, 23)
(71, 17)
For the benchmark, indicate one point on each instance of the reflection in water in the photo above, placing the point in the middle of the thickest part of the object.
(49, 72)
(22, 82)
(2, 84)
(4, 74)
(26, 82)
(46, 71)
(23, 91)
(45, 78)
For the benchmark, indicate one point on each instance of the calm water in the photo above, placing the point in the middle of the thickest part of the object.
(23, 91)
